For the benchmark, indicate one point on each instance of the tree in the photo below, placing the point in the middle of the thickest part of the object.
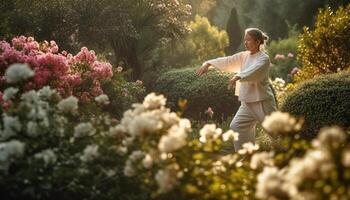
(132, 29)
(234, 33)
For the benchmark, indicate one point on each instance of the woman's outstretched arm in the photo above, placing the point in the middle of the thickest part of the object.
(229, 63)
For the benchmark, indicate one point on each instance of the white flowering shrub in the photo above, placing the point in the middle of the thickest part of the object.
(322, 173)
(48, 150)
(173, 162)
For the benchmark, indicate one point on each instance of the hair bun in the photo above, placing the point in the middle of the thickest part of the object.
(265, 37)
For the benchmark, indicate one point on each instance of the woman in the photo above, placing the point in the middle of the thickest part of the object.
(251, 83)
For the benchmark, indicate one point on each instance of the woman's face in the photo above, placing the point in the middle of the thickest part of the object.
(251, 44)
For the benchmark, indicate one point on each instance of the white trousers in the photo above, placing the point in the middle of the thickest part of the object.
(246, 118)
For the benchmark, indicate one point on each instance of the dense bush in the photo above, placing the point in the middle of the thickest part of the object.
(326, 49)
(204, 42)
(83, 75)
(122, 94)
(200, 92)
(49, 150)
(322, 101)
(283, 58)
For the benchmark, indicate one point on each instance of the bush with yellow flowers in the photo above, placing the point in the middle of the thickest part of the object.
(326, 49)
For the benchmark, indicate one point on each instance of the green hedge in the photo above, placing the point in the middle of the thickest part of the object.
(322, 101)
(202, 92)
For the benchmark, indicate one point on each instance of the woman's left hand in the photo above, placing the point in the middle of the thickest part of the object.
(232, 82)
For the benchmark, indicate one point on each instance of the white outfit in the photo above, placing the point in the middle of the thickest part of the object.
(253, 90)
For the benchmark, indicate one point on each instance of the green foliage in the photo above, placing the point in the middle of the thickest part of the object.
(326, 49)
(204, 42)
(322, 102)
(200, 92)
(121, 94)
(282, 67)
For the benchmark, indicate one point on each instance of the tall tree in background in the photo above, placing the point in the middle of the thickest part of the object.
(234, 33)
(132, 29)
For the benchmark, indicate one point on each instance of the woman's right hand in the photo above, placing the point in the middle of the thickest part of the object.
(203, 69)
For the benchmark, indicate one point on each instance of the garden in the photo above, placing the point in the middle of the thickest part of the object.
(101, 100)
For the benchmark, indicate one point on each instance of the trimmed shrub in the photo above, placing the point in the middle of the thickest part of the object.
(322, 102)
(209, 90)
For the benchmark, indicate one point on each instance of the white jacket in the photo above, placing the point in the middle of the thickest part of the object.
(253, 71)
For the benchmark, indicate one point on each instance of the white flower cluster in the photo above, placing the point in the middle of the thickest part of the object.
(84, 129)
(316, 167)
(9, 151)
(278, 84)
(176, 137)
(90, 153)
(248, 148)
(11, 125)
(153, 101)
(261, 159)
(102, 99)
(132, 163)
(167, 178)
(153, 125)
(230, 134)
(18, 72)
(48, 156)
(279, 122)
(9, 93)
(38, 110)
(68, 105)
(46, 92)
(271, 184)
(330, 137)
(152, 117)
(209, 132)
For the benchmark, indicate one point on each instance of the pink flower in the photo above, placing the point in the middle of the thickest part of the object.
(85, 56)
(42, 77)
(209, 112)
(56, 63)
(290, 55)
(280, 57)
(72, 79)
(294, 71)
(78, 75)
(102, 70)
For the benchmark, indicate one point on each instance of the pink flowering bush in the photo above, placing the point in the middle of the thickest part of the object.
(80, 75)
